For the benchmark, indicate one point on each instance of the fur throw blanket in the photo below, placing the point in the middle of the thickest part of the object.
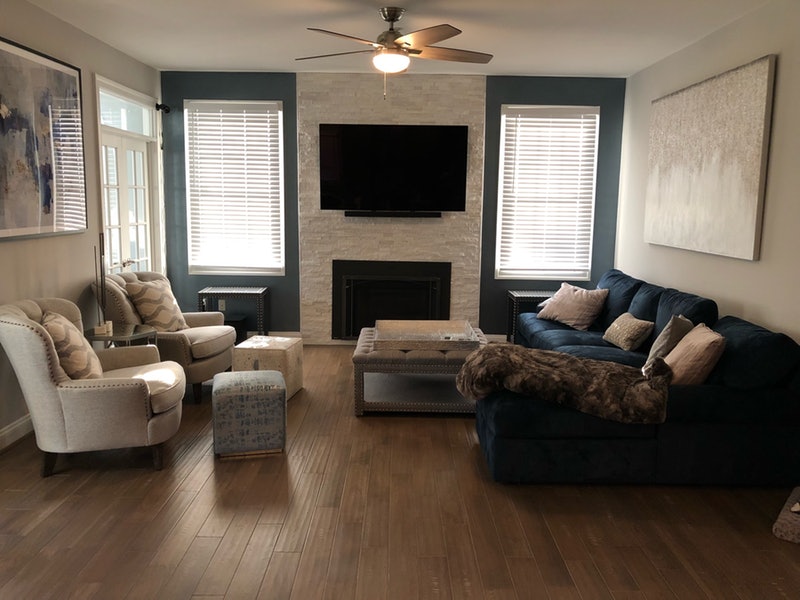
(604, 389)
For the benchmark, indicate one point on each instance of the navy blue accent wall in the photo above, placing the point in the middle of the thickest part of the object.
(609, 95)
(284, 291)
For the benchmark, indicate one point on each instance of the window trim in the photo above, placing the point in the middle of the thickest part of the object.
(585, 196)
(158, 249)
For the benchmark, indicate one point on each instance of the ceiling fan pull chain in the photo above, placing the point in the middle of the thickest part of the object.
(384, 85)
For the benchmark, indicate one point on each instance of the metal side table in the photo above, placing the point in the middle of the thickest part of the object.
(259, 294)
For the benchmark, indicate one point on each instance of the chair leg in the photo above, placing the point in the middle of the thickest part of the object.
(197, 391)
(158, 457)
(48, 463)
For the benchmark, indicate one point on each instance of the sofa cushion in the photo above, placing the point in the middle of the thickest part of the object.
(621, 290)
(553, 339)
(156, 305)
(209, 340)
(694, 357)
(75, 354)
(695, 308)
(605, 352)
(574, 306)
(644, 304)
(754, 357)
(628, 332)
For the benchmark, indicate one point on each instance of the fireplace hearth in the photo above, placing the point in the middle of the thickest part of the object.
(367, 290)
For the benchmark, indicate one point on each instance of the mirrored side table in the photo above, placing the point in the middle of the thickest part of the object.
(123, 335)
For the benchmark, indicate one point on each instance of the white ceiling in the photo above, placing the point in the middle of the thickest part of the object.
(526, 37)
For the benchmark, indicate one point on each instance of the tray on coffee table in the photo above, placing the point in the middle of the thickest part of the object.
(425, 335)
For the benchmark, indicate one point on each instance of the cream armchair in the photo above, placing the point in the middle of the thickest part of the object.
(203, 349)
(131, 399)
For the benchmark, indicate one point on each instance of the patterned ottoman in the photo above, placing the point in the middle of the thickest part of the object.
(249, 412)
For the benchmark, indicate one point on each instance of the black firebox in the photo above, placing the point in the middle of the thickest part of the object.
(367, 290)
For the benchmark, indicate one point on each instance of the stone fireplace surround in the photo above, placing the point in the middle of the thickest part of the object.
(326, 236)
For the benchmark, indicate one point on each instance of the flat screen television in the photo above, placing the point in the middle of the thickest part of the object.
(398, 170)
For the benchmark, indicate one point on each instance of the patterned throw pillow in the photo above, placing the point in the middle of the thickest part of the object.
(574, 306)
(628, 332)
(75, 353)
(156, 305)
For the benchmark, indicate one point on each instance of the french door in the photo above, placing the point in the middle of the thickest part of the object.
(126, 203)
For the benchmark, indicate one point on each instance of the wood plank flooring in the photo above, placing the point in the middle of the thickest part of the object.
(377, 507)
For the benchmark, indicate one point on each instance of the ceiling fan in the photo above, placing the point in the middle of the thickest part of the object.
(392, 50)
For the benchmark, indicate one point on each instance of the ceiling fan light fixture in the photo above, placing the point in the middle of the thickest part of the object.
(391, 60)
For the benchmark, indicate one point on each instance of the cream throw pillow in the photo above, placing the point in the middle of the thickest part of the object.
(695, 356)
(574, 306)
(156, 305)
(75, 353)
(628, 332)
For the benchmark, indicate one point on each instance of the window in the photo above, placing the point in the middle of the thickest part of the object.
(546, 192)
(234, 183)
(129, 157)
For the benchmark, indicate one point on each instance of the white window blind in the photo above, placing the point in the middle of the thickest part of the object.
(68, 189)
(234, 182)
(546, 192)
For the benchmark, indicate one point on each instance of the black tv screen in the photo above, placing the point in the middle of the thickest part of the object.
(393, 168)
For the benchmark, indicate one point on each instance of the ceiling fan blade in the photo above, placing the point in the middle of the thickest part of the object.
(335, 54)
(347, 37)
(436, 53)
(429, 35)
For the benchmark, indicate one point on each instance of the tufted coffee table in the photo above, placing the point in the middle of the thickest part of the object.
(410, 366)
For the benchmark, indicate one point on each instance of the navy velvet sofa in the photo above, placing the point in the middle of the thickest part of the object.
(740, 427)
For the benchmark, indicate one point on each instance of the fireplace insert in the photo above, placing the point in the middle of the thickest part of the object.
(364, 291)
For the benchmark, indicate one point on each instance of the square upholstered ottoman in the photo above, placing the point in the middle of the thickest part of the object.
(265, 352)
(249, 412)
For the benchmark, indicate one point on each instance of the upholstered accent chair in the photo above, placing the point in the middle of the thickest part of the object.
(198, 341)
(81, 400)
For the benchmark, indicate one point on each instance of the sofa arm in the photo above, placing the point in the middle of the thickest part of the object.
(201, 319)
(174, 345)
(128, 356)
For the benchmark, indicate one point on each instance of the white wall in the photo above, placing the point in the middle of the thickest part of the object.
(763, 291)
(60, 265)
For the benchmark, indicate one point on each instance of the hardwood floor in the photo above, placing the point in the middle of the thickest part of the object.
(372, 507)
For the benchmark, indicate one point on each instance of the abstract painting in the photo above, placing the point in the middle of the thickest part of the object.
(707, 163)
(42, 180)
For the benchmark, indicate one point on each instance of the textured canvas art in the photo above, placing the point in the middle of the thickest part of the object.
(42, 185)
(708, 161)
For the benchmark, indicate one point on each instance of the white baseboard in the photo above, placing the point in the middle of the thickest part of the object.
(13, 432)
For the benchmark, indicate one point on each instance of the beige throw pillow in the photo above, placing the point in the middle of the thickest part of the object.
(75, 353)
(693, 359)
(628, 332)
(574, 306)
(156, 305)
